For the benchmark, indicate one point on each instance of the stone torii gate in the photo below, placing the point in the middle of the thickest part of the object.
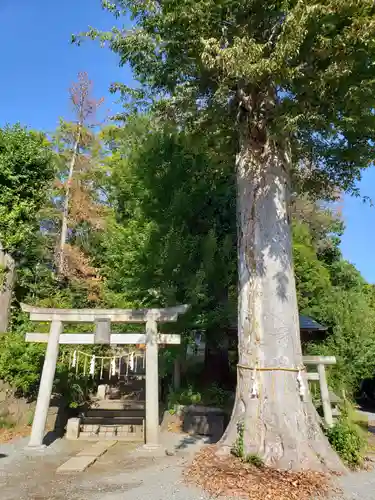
(102, 319)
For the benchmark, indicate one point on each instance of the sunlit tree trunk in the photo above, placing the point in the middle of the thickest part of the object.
(279, 424)
(65, 215)
(7, 277)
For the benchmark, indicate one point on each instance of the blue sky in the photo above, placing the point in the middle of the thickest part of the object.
(38, 65)
(358, 242)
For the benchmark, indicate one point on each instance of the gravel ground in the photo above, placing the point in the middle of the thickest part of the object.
(359, 485)
(120, 474)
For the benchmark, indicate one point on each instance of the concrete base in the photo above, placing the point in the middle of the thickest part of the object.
(38, 447)
(72, 428)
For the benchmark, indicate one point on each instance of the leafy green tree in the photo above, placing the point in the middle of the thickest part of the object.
(350, 338)
(173, 240)
(332, 290)
(295, 82)
(27, 167)
(312, 277)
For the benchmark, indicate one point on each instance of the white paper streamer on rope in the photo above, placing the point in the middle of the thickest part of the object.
(101, 369)
(127, 369)
(74, 362)
(119, 367)
(255, 387)
(92, 365)
(131, 361)
(77, 365)
(301, 385)
(113, 367)
(115, 362)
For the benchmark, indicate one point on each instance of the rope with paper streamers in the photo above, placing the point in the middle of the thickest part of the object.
(114, 361)
(255, 381)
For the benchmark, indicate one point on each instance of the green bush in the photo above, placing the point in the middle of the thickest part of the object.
(216, 396)
(21, 363)
(213, 396)
(21, 366)
(347, 439)
(75, 388)
(6, 422)
(183, 397)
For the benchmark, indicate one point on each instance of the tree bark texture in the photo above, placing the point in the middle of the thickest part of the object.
(65, 215)
(7, 267)
(279, 423)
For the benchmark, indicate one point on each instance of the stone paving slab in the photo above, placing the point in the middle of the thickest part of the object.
(85, 458)
(97, 449)
(76, 464)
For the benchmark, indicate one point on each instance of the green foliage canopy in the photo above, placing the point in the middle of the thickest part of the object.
(302, 71)
(26, 168)
(174, 237)
(332, 291)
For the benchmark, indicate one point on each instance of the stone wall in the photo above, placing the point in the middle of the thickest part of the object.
(196, 419)
(20, 411)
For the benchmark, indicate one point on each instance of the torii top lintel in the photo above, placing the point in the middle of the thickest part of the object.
(163, 315)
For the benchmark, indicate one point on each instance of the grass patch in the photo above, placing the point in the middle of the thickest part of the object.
(255, 460)
(6, 423)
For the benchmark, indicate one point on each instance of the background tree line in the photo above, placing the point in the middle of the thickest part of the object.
(151, 222)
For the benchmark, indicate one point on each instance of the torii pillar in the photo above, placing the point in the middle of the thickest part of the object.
(45, 387)
(152, 385)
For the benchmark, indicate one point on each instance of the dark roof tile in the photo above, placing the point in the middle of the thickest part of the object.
(306, 323)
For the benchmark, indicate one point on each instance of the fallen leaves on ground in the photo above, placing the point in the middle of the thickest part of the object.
(229, 476)
(13, 432)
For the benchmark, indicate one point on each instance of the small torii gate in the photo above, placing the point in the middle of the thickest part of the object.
(102, 319)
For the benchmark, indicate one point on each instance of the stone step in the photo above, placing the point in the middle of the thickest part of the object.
(104, 437)
(118, 432)
(95, 429)
(105, 413)
(118, 404)
(113, 434)
(122, 420)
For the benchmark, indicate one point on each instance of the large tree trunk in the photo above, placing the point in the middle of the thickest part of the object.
(65, 215)
(280, 424)
(7, 268)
